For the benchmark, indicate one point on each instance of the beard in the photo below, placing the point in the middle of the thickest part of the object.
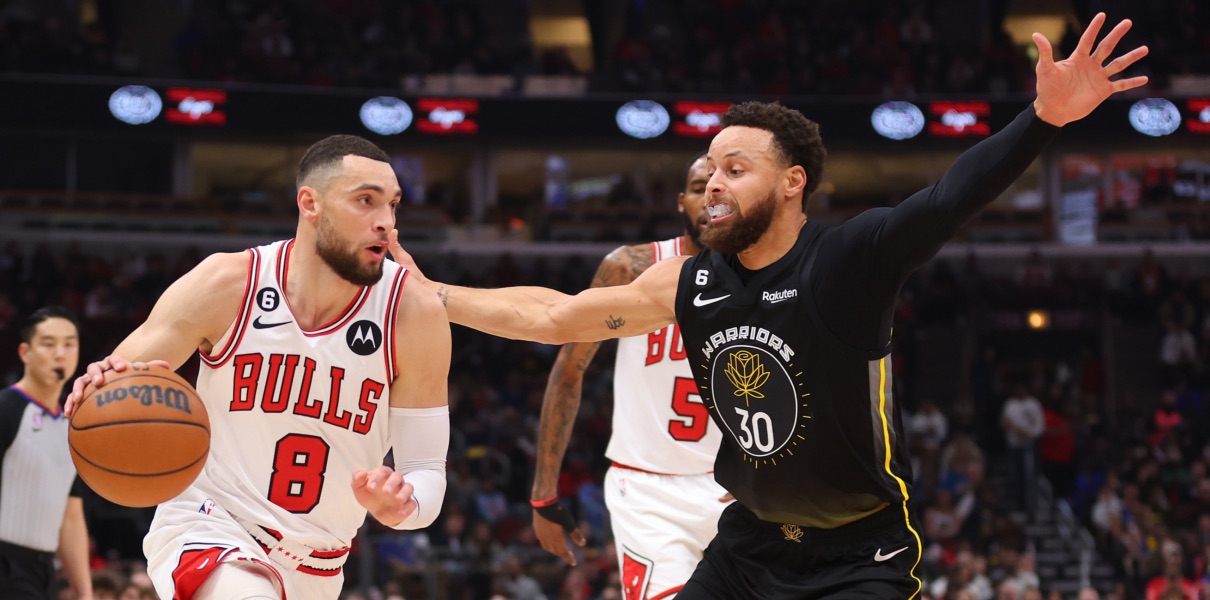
(330, 246)
(744, 230)
(693, 229)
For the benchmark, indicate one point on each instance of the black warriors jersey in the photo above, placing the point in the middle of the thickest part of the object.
(811, 433)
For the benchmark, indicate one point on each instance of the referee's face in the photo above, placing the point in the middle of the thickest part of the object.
(52, 353)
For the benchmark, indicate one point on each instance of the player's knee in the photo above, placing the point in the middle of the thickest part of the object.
(240, 581)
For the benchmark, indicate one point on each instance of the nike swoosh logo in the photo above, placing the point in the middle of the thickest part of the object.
(258, 325)
(879, 556)
(204, 563)
(698, 301)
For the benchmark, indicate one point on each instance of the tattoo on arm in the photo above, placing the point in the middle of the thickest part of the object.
(444, 295)
(614, 322)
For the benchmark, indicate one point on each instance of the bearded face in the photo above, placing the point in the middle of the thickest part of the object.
(342, 256)
(742, 230)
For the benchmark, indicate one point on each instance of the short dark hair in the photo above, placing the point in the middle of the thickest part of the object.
(692, 161)
(30, 324)
(794, 136)
(332, 150)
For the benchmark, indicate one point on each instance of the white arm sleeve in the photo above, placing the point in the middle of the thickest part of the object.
(420, 439)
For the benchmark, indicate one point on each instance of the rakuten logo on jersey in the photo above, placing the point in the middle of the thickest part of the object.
(775, 297)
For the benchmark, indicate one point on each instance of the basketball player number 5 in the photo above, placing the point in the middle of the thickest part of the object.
(299, 463)
(695, 417)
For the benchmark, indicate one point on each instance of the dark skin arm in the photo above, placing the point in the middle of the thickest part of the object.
(561, 403)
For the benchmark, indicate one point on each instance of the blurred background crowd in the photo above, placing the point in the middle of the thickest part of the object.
(1055, 397)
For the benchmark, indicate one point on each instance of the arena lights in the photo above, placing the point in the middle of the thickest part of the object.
(386, 115)
(197, 107)
(1199, 115)
(643, 119)
(135, 104)
(448, 116)
(897, 120)
(960, 119)
(1155, 117)
(699, 119)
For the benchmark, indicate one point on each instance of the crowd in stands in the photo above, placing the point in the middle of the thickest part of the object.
(774, 47)
(1135, 475)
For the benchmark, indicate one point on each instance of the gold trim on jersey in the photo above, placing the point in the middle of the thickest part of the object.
(886, 440)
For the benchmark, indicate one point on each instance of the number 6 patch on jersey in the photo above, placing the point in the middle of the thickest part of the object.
(636, 575)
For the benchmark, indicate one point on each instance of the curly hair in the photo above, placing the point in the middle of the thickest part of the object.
(795, 137)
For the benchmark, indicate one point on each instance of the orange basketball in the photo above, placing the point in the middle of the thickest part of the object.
(140, 439)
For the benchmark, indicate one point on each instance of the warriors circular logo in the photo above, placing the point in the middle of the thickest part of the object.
(755, 398)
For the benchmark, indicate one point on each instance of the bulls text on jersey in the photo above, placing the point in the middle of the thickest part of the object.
(269, 386)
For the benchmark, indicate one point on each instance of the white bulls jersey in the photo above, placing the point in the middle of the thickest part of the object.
(294, 412)
(659, 421)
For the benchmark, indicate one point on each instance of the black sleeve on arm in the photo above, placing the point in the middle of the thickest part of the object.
(915, 230)
(12, 409)
(860, 274)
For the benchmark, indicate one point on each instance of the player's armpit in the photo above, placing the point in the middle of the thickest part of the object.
(195, 311)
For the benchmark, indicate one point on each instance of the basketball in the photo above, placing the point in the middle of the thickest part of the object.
(140, 439)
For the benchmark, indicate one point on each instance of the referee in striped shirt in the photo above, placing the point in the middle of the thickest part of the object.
(41, 511)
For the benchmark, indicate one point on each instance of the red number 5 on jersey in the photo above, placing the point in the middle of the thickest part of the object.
(696, 417)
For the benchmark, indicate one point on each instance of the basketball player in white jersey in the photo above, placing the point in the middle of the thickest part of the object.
(317, 359)
(663, 501)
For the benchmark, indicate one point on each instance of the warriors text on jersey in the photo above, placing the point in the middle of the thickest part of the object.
(659, 421)
(294, 412)
(792, 359)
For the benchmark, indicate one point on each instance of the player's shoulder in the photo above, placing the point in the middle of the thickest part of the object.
(419, 302)
(625, 263)
(224, 267)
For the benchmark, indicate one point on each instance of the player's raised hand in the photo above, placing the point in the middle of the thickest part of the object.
(1071, 88)
(401, 256)
(385, 494)
(95, 374)
(551, 522)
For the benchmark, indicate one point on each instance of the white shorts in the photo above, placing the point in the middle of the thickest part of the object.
(190, 535)
(661, 526)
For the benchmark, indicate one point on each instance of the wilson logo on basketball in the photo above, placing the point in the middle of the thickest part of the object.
(146, 395)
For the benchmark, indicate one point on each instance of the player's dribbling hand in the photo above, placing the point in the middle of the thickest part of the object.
(95, 374)
(550, 532)
(385, 494)
(401, 256)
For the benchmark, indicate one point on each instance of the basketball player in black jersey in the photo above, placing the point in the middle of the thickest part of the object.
(787, 324)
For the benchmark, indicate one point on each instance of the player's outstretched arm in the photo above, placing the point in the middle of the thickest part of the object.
(1067, 90)
(552, 317)
(410, 496)
(561, 404)
(195, 310)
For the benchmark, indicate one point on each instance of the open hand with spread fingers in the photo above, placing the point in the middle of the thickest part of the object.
(1070, 89)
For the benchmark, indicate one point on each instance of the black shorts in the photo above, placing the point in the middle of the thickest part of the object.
(26, 574)
(873, 558)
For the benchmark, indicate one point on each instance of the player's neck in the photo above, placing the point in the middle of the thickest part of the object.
(44, 394)
(316, 293)
(774, 244)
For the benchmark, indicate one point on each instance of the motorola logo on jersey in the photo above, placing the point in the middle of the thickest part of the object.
(364, 337)
(755, 398)
(268, 299)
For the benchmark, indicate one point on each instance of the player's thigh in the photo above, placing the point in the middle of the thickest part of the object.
(239, 581)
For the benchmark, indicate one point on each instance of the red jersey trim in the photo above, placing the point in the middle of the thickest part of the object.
(241, 320)
(390, 321)
(283, 272)
(666, 593)
(630, 468)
